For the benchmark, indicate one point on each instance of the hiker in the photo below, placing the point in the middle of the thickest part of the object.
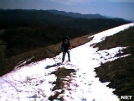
(65, 46)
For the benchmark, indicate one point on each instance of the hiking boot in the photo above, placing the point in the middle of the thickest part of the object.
(62, 62)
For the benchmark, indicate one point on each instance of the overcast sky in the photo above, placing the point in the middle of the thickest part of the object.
(113, 8)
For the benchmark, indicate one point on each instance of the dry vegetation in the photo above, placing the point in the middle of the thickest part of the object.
(61, 82)
(120, 72)
(8, 64)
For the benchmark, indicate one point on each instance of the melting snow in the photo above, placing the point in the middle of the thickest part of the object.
(35, 81)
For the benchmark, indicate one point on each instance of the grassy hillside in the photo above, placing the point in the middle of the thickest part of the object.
(7, 64)
(27, 33)
(121, 71)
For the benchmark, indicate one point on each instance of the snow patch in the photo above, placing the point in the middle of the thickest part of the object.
(35, 81)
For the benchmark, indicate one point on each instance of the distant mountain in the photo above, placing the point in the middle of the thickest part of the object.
(43, 18)
(86, 16)
(77, 15)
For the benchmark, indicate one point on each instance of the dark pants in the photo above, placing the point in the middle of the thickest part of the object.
(64, 54)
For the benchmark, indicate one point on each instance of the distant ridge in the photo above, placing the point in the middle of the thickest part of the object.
(77, 15)
(85, 16)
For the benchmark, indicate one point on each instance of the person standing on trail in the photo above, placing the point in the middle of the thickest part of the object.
(65, 46)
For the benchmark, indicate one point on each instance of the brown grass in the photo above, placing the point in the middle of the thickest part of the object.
(8, 64)
(120, 72)
(61, 73)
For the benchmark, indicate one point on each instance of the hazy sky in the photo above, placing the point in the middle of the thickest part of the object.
(114, 8)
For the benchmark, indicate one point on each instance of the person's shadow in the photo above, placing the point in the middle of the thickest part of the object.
(49, 66)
